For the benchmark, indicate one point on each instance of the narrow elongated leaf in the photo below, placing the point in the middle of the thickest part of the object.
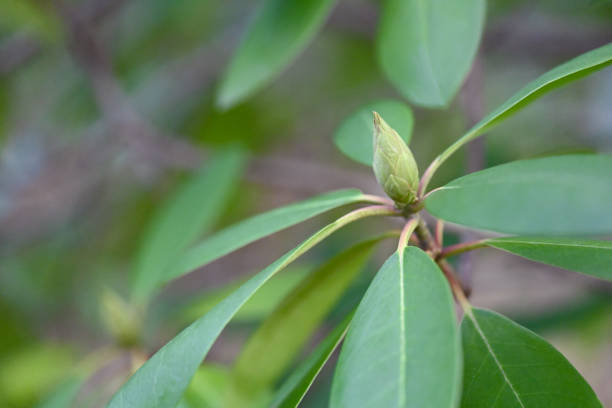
(161, 381)
(259, 226)
(581, 255)
(506, 365)
(554, 195)
(426, 47)
(572, 70)
(402, 348)
(187, 215)
(272, 348)
(279, 33)
(295, 387)
(354, 137)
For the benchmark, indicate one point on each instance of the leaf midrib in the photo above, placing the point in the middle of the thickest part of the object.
(495, 359)
(535, 243)
(424, 33)
(402, 343)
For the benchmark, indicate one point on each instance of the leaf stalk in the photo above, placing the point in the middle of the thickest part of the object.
(457, 249)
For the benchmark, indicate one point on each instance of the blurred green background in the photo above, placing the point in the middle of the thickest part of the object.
(107, 108)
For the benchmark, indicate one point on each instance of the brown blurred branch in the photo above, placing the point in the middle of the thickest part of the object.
(124, 130)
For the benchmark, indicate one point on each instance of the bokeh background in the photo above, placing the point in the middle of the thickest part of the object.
(107, 107)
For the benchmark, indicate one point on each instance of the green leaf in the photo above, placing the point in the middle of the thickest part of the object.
(426, 47)
(354, 137)
(402, 348)
(161, 381)
(32, 371)
(554, 195)
(295, 387)
(572, 70)
(581, 255)
(258, 307)
(271, 349)
(186, 215)
(506, 365)
(278, 33)
(259, 226)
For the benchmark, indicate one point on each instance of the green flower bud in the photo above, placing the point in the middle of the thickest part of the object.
(122, 320)
(394, 165)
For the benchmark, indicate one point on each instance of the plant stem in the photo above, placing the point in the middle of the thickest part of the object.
(434, 250)
(455, 285)
(407, 233)
(427, 239)
(371, 198)
(440, 233)
(369, 211)
(457, 249)
(437, 162)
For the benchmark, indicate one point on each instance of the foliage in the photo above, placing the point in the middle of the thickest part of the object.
(402, 346)
(405, 336)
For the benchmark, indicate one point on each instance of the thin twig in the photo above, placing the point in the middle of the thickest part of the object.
(440, 233)
(456, 286)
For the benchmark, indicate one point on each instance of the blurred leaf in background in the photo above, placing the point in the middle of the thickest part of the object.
(355, 136)
(190, 213)
(426, 47)
(278, 33)
(31, 372)
(34, 17)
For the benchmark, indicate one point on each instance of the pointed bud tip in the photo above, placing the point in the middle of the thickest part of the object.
(377, 117)
(379, 122)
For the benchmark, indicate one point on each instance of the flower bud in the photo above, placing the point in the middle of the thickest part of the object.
(122, 320)
(394, 165)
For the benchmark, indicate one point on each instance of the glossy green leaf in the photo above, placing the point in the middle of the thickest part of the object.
(161, 381)
(506, 365)
(277, 35)
(572, 70)
(190, 212)
(354, 137)
(272, 348)
(295, 387)
(426, 47)
(581, 255)
(402, 348)
(554, 195)
(259, 226)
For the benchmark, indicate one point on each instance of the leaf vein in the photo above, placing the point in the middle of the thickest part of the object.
(495, 359)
